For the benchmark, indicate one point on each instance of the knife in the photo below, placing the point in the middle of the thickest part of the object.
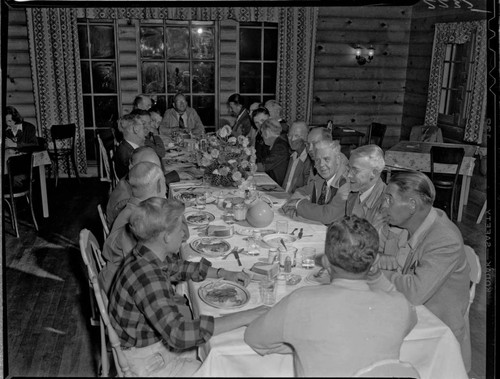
(237, 256)
(300, 233)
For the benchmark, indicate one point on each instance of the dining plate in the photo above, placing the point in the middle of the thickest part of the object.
(224, 294)
(274, 239)
(249, 231)
(210, 246)
(199, 217)
(324, 278)
(187, 197)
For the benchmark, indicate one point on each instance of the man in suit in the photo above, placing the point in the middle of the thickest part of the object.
(428, 262)
(323, 199)
(181, 116)
(133, 136)
(300, 164)
(276, 162)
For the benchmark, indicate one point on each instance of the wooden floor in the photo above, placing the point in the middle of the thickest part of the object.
(46, 325)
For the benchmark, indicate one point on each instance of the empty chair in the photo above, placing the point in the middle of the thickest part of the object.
(19, 183)
(376, 133)
(63, 142)
(446, 183)
(104, 221)
(388, 368)
(475, 277)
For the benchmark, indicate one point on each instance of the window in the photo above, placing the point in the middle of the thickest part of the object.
(98, 59)
(258, 55)
(456, 86)
(180, 56)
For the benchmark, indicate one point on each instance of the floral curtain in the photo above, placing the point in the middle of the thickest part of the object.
(460, 32)
(55, 68)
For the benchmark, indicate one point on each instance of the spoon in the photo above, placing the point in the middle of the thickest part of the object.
(283, 243)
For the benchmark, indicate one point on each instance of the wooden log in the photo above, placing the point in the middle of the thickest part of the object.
(349, 60)
(356, 97)
(356, 23)
(366, 72)
(18, 58)
(364, 37)
(366, 12)
(344, 84)
(383, 49)
(20, 85)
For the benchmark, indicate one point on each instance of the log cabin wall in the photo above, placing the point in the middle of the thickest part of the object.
(353, 95)
(19, 84)
(424, 16)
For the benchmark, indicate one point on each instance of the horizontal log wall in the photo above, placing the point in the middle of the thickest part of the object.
(354, 95)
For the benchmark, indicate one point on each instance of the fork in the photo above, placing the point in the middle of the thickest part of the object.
(231, 252)
(293, 231)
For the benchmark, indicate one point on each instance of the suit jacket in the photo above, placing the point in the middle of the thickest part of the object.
(276, 162)
(261, 149)
(243, 125)
(171, 120)
(301, 174)
(122, 158)
(335, 205)
(118, 199)
(155, 142)
(436, 272)
(370, 205)
(24, 137)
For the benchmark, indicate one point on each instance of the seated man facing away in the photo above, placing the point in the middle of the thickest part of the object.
(133, 136)
(152, 332)
(299, 165)
(323, 198)
(276, 161)
(143, 102)
(181, 116)
(336, 329)
(427, 263)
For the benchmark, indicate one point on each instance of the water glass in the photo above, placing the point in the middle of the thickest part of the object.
(228, 216)
(282, 226)
(201, 201)
(308, 257)
(290, 251)
(267, 289)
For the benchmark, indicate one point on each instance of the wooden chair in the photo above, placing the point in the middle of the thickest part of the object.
(388, 368)
(63, 135)
(19, 183)
(102, 216)
(446, 183)
(93, 261)
(475, 278)
(376, 133)
(106, 168)
(91, 255)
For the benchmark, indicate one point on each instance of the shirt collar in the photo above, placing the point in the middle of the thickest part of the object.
(143, 251)
(302, 156)
(331, 180)
(351, 283)
(16, 128)
(134, 145)
(373, 194)
(367, 193)
(420, 232)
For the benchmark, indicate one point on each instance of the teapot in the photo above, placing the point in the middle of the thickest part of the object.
(260, 212)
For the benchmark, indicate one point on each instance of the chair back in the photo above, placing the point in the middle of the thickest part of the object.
(388, 368)
(63, 132)
(20, 165)
(105, 163)
(376, 133)
(104, 221)
(447, 155)
(91, 253)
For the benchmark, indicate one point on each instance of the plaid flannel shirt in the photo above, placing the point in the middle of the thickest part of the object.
(142, 308)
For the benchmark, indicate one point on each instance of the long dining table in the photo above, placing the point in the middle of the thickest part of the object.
(430, 347)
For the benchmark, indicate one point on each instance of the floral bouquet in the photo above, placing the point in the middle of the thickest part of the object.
(228, 161)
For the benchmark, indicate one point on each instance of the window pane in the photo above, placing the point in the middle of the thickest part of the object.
(270, 77)
(250, 99)
(152, 45)
(205, 106)
(202, 40)
(106, 111)
(87, 111)
(104, 77)
(153, 77)
(203, 77)
(86, 88)
(266, 98)
(178, 77)
(102, 41)
(271, 44)
(249, 77)
(177, 43)
(161, 104)
(83, 41)
(90, 144)
(250, 44)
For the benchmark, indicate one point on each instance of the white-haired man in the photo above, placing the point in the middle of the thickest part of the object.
(300, 164)
(274, 109)
(134, 134)
(323, 198)
(143, 102)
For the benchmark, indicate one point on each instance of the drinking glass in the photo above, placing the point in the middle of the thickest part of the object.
(228, 216)
(282, 226)
(290, 251)
(267, 289)
(308, 256)
(201, 201)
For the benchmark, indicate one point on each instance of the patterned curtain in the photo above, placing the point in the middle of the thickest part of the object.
(460, 32)
(297, 36)
(55, 67)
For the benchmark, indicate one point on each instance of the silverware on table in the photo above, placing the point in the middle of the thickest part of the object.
(283, 243)
(237, 255)
(293, 231)
(300, 233)
(231, 252)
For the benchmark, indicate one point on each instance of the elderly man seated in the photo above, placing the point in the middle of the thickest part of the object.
(427, 261)
(337, 329)
(143, 102)
(274, 109)
(152, 139)
(153, 332)
(181, 116)
(315, 135)
(299, 165)
(134, 134)
(276, 161)
(323, 198)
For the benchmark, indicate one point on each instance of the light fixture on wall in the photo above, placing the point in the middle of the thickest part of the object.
(362, 60)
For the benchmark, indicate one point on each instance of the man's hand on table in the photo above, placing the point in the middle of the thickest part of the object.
(290, 208)
(236, 276)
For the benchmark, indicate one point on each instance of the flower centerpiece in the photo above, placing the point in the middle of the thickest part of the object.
(228, 161)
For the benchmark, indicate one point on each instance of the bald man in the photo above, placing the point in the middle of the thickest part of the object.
(300, 164)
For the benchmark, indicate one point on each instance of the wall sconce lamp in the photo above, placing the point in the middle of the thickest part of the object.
(362, 60)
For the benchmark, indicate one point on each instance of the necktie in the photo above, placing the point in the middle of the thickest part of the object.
(181, 122)
(322, 197)
(358, 209)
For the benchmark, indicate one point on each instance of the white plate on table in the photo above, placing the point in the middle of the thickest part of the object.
(199, 217)
(224, 294)
(210, 246)
(274, 240)
(249, 231)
